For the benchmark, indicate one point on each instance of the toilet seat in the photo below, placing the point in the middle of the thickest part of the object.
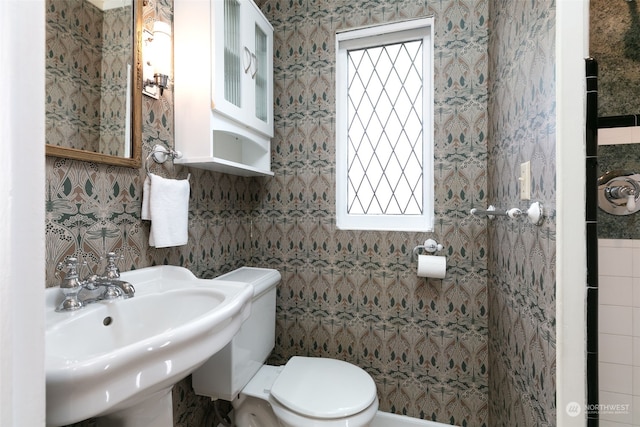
(323, 388)
(308, 392)
(288, 418)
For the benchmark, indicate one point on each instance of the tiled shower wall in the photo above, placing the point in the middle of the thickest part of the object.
(619, 332)
(522, 336)
(613, 42)
(619, 290)
(354, 295)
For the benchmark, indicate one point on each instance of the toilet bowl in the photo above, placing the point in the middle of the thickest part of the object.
(308, 391)
(305, 392)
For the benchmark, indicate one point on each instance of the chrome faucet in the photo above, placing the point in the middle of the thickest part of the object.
(107, 286)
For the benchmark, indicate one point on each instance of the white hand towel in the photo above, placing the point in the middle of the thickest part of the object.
(169, 208)
(146, 195)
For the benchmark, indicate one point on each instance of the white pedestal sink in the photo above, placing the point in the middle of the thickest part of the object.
(118, 360)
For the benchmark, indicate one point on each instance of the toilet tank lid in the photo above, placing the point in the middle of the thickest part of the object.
(260, 278)
(323, 388)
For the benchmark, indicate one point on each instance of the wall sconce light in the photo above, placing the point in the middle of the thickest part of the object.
(157, 59)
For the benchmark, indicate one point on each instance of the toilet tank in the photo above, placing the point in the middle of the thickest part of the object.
(226, 373)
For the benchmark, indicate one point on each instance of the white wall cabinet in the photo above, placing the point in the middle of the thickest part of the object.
(223, 86)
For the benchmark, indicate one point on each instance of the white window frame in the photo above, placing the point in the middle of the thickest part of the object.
(374, 36)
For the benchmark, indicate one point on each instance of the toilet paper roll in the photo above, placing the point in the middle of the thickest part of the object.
(432, 266)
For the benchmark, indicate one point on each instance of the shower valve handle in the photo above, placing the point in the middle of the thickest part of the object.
(631, 202)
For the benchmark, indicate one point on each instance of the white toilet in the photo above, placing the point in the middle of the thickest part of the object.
(306, 392)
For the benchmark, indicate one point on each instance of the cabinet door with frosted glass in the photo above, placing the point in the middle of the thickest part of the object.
(243, 64)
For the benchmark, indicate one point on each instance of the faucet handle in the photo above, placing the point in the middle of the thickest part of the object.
(70, 285)
(71, 266)
(111, 270)
(72, 272)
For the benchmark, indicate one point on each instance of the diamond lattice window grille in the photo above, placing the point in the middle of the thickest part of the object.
(385, 130)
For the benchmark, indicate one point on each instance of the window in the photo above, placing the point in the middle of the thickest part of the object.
(384, 127)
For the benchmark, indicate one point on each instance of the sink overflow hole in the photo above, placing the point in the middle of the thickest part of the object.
(107, 321)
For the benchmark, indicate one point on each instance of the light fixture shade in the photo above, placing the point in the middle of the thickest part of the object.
(162, 48)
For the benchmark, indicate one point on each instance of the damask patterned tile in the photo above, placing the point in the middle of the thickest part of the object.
(522, 261)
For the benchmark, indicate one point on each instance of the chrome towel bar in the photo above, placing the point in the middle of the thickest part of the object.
(535, 213)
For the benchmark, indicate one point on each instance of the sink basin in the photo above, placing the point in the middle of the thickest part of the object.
(112, 359)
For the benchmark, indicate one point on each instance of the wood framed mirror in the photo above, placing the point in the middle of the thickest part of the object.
(93, 73)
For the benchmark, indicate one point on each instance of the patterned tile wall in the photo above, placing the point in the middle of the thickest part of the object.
(354, 295)
(521, 260)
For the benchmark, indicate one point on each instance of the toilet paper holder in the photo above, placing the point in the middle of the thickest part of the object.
(429, 245)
